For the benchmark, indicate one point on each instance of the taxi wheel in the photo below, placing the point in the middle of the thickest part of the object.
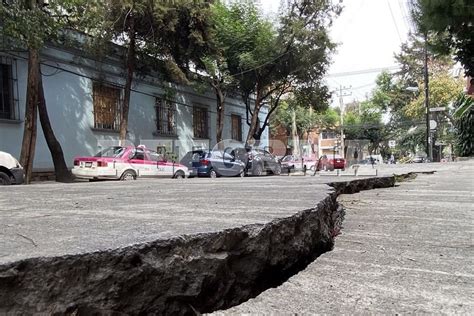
(128, 175)
(179, 175)
(5, 179)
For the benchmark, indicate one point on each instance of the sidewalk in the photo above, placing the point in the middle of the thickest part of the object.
(407, 249)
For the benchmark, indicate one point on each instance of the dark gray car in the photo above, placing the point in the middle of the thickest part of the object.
(261, 161)
(203, 163)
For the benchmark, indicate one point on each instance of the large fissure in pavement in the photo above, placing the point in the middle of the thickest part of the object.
(185, 275)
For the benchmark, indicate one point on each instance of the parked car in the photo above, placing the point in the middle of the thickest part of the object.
(336, 162)
(332, 162)
(374, 159)
(11, 172)
(419, 159)
(261, 161)
(127, 163)
(205, 163)
(294, 162)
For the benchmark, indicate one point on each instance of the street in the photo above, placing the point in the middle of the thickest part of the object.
(403, 250)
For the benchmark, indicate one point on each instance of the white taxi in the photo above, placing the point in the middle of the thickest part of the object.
(127, 163)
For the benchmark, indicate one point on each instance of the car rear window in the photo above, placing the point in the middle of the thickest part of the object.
(111, 152)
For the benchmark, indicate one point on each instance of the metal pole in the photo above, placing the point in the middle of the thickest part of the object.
(429, 144)
(342, 94)
(341, 104)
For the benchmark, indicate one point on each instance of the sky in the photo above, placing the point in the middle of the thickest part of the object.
(369, 32)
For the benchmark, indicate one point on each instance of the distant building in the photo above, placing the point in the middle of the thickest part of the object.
(315, 143)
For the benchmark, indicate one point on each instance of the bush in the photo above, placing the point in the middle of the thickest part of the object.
(464, 124)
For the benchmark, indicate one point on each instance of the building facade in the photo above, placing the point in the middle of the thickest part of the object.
(84, 98)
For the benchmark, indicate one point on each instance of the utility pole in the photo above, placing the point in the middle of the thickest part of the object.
(429, 141)
(343, 92)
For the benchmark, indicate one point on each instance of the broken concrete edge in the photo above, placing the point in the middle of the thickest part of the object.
(203, 272)
(354, 186)
(410, 175)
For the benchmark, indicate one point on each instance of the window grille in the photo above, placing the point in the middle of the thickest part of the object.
(165, 117)
(9, 105)
(107, 106)
(200, 126)
(236, 127)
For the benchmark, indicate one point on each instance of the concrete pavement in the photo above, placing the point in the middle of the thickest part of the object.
(404, 250)
(166, 246)
(53, 219)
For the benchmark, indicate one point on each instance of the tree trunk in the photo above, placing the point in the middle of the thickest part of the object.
(294, 134)
(29, 133)
(220, 115)
(252, 134)
(128, 84)
(61, 171)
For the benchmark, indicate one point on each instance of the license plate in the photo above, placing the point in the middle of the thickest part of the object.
(88, 164)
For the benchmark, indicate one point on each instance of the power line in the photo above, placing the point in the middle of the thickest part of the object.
(402, 11)
(394, 21)
(61, 69)
(364, 86)
(362, 71)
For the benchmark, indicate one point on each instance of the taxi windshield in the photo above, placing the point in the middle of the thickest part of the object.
(111, 152)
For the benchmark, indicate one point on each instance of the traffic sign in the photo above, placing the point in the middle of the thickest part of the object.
(438, 109)
(433, 124)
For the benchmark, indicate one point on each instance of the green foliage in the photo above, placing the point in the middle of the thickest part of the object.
(464, 123)
(364, 121)
(411, 60)
(176, 34)
(235, 35)
(444, 89)
(452, 22)
(406, 108)
(462, 106)
(306, 118)
(245, 40)
(28, 26)
(303, 33)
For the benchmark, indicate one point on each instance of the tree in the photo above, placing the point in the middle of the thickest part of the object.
(174, 33)
(298, 120)
(365, 122)
(464, 123)
(451, 23)
(405, 108)
(444, 89)
(292, 58)
(29, 24)
(305, 118)
(228, 24)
